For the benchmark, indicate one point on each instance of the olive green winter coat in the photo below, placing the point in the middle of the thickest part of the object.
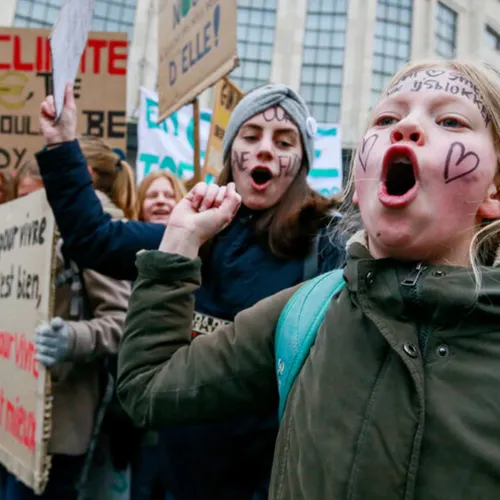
(399, 398)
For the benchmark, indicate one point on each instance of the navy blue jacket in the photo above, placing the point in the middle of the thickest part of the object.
(231, 460)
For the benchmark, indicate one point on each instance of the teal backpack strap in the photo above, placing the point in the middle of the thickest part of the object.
(298, 325)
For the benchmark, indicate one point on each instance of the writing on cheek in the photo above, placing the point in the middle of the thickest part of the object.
(276, 113)
(239, 159)
(459, 162)
(289, 165)
(365, 150)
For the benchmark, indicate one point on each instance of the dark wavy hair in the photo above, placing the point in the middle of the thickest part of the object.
(289, 227)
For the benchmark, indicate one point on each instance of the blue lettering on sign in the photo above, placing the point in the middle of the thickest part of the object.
(164, 163)
(194, 52)
(329, 191)
(152, 116)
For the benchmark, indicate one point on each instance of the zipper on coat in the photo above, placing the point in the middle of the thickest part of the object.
(414, 276)
(411, 282)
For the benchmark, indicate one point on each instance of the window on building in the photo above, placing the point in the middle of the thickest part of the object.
(323, 58)
(109, 15)
(392, 42)
(446, 31)
(256, 26)
(492, 38)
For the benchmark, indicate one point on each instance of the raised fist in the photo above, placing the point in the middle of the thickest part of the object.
(200, 215)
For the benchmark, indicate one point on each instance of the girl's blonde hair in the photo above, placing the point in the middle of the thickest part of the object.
(177, 185)
(111, 174)
(487, 80)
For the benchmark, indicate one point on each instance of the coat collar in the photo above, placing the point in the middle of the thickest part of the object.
(439, 295)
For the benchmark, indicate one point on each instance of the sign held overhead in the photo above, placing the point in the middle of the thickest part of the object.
(67, 43)
(197, 47)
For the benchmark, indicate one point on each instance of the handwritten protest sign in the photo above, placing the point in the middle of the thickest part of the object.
(197, 47)
(67, 44)
(226, 96)
(26, 297)
(25, 79)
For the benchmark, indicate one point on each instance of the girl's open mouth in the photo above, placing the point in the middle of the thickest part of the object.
(399, 184)
(261, 178)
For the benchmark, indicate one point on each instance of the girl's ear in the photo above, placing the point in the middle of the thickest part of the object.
(490, 207)
(355, 199)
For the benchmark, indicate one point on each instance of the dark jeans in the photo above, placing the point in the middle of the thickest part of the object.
(149, 470)
(63, 478)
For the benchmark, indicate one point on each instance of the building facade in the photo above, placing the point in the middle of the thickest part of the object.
(339, 54)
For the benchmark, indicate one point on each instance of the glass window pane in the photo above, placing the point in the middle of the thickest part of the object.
(256, 28)
(445, 31)
(392, 45)
(100, 9)
(109, 15)
(323, 57)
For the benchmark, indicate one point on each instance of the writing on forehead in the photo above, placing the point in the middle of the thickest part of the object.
(276, 113)
(457, 84)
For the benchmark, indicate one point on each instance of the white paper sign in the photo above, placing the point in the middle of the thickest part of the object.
(67, 44)
(170, 145)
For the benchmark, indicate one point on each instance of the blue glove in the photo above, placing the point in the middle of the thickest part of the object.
(52, 342)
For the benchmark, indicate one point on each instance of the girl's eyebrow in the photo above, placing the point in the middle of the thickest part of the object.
(251, 126)
(286, 130)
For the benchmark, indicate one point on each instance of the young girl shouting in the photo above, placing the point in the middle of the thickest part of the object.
(399, 396)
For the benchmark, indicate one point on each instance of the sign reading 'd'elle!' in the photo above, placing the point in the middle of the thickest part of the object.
(197, 47)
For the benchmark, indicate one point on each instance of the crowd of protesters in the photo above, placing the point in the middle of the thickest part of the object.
(171, 351)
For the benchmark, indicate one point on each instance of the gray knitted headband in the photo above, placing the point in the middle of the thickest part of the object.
(268, 96)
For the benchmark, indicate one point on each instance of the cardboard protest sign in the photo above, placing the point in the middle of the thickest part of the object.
(197, 47)
(25, 80)
(26, 299)
(226, 96)
(67, 44)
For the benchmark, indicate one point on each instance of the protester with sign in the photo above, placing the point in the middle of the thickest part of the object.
(157, 195)
(89, 315)
(6, 187)
(273, 243)
(398, 396)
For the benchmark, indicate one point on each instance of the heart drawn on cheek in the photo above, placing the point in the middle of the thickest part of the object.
(366, 149)
(456, 165)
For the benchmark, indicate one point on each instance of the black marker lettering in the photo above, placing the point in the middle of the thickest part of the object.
(276, 113)
(366, 149)
(289, 165)
(454, 167)
(239, 160)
